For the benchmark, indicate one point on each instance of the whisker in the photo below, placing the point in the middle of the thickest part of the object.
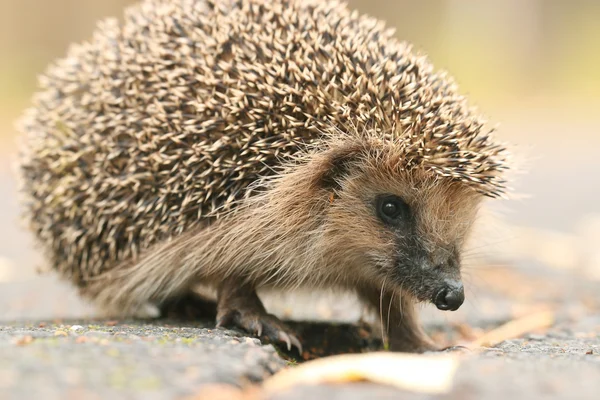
(389, 311)
(383, 334)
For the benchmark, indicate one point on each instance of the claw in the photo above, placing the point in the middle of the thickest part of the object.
(225, 320)
(260, 324)
(284, 337)
(290, 340)
(259, 330)
(296, 343)
(221, 323)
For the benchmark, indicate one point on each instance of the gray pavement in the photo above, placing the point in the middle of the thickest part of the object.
(148, 360)
(137, 360)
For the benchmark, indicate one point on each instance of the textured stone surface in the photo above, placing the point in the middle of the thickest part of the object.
(126, 360)
(137, 359)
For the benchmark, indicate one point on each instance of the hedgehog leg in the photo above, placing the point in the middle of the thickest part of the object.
(189, 306)
(399, 322)
(238, 305)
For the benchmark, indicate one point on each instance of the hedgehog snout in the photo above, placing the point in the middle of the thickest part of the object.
(450, 296)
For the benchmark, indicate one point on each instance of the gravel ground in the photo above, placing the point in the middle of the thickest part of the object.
(133, 359)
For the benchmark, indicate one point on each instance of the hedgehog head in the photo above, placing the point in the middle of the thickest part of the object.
(394, 219)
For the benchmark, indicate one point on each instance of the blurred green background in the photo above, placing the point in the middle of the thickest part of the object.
(533, 66)
(509, 53)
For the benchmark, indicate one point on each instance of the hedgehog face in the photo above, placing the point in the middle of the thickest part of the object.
(404, 228)
(427, 231)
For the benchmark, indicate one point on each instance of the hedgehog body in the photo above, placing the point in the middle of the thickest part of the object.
(204, 140)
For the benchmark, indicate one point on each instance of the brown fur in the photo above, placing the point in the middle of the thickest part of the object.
(244, 141)
(296, 234)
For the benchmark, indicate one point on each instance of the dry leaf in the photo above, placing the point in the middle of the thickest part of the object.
(419, 373)
(514, 329)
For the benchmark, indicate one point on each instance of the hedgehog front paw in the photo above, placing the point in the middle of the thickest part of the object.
(239, 306)
(261, 324)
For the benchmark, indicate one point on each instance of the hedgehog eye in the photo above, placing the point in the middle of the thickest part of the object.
(391, 208)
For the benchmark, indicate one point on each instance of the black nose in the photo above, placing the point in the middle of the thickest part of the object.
(450, 297)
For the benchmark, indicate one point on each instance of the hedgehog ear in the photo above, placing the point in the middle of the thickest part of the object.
(336, 166)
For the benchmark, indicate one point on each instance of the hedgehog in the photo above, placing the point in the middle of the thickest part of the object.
(245, 145)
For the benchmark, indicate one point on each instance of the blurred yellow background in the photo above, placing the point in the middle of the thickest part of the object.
(533, 66)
